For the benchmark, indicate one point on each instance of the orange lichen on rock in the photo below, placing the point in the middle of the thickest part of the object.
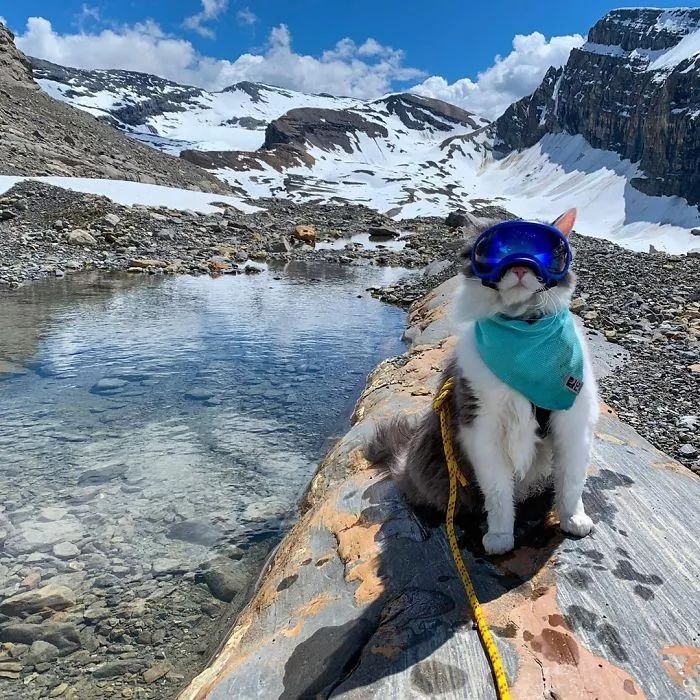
(551, 656)
(683, 665)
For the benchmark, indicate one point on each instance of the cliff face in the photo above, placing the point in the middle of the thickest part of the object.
(633, 88)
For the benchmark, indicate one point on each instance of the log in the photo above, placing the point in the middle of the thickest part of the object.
(362, 599)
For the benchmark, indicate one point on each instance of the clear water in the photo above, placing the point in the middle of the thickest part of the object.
(201, 401)
(366, 241)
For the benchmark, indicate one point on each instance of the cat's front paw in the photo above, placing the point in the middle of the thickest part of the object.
(579, 525)
(498, 542)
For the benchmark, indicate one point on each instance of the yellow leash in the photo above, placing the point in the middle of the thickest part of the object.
(442, 407)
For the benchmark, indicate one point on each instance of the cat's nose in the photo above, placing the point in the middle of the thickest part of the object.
(519, 271)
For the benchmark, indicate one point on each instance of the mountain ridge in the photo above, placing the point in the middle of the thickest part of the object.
(406, 155)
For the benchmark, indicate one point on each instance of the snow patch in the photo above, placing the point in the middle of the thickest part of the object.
(129, 193)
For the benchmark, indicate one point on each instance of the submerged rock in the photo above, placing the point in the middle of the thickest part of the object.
(225, 578)
(48, 597)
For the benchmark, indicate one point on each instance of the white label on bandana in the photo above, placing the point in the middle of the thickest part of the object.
(573, 384)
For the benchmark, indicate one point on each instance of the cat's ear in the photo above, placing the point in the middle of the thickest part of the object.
(565, 223)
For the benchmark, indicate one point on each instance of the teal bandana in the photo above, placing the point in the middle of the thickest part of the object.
(542, 360)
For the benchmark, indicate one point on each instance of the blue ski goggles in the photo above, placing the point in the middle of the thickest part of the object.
(540, 247)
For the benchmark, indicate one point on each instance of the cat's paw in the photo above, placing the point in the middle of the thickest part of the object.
(579, 525)
(498, 542)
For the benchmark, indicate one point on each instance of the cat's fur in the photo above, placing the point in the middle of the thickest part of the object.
(499, 441)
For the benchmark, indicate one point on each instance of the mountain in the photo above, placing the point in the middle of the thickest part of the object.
(42, 136)
(632, 88)
(613, 133)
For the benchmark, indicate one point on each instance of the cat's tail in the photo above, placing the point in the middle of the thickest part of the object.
(387, 448)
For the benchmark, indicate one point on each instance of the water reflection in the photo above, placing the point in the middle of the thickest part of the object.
(159, 418)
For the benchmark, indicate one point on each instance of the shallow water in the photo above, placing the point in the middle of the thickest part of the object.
(173, 415)
(365, 241)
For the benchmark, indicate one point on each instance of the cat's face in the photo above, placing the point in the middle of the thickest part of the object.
(518, 294)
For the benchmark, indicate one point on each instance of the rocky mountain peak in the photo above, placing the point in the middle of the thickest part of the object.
(653, 29)
(14, 65)
(632, 88)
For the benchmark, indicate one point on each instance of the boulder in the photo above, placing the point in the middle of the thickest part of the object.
(81, 237)
(64, 636)
(145, 263)
(40, 653)
(110, 220)
(383, 232)
(49, 597)
(225, 578)
(305, 233)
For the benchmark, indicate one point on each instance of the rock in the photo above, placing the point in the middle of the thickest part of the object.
(436, 267)
(52, 513)
(41, 653)
(81, 237)
(62, 635)
(108, 384)
(6, 215)
(196, 532)
(305, 233)
(156, 672)
(10, 669)
(145, 263)
(383, 232)
(281, 245)
(65, 550)
(101, 475)
(198, 394)
(578, 305)
(225, 578)
(689, 422)
(50, 596)
(59, 690)
(163, 565)
(110, 219)
(58, 225)
(456, 219)
(120, 667)
(41, 536)
(688, 450)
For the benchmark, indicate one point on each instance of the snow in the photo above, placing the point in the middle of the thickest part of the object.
(130, 193)
(687, 47)
(564, 171)
(412, 172)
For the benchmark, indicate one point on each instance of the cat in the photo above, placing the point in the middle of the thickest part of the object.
(501, 445)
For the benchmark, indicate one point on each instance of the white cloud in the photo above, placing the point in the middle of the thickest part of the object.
(211, 9)
(246, 16)
(508, 79)
(367, 70)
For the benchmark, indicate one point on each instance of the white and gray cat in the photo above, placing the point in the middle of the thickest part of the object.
(500, 444)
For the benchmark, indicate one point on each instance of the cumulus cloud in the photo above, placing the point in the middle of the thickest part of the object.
(366, 70)
(246, 16)
(211, 9)
(508, 79)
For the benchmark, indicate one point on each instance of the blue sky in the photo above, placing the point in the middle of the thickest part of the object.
(294, 43)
